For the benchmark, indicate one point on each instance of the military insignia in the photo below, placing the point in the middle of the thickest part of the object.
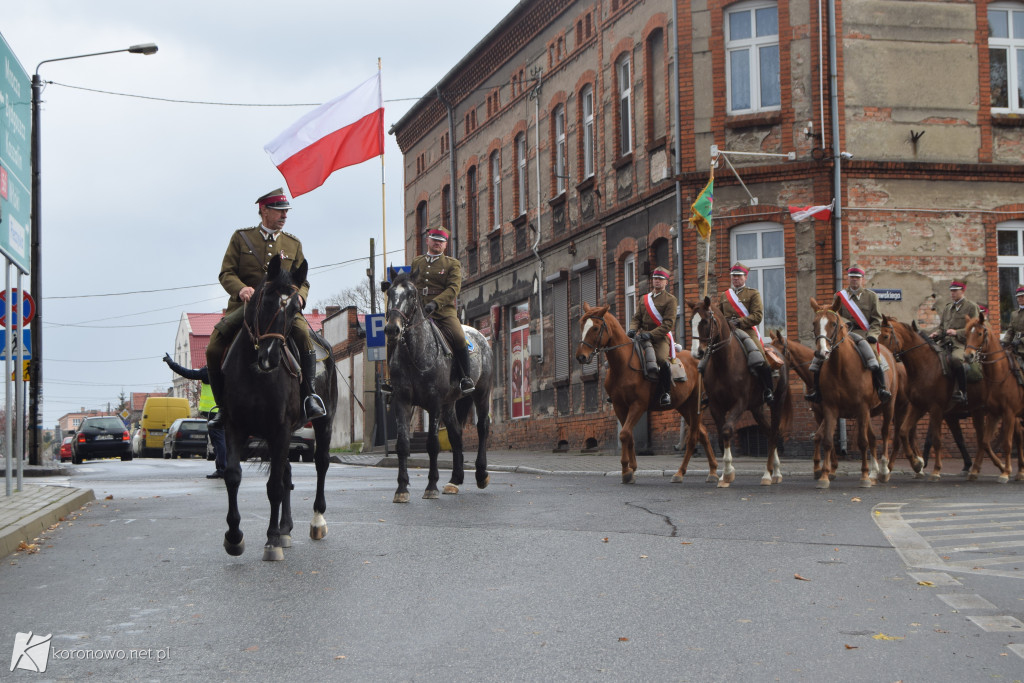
(283, 255)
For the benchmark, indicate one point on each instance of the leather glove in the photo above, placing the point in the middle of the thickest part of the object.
(429, 308)
(167, 358)
(872, 339)
(645, 336)
(631, 334)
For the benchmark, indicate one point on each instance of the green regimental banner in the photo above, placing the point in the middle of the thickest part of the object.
(15, 158)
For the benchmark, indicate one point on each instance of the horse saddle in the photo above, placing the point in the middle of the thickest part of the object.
(755, 351)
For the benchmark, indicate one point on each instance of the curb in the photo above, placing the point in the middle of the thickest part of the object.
(33, 524)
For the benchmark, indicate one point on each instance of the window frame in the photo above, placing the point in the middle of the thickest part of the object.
(472, 206)
(629, 286)
(494, 164)
(758, 265)
(1007, 296)
(521, 174)
(560, 162)
(1013, 46)
(753, 46)
(624, 84)
(587, 138)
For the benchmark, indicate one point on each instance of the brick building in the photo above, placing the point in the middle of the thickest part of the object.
(549, 150)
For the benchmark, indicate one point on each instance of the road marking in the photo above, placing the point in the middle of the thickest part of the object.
(935, 578)
(965, 601)
(999, 624)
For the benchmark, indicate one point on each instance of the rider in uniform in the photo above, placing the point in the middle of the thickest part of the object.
(951, 330)
(245, 262)
(741, 306)
(1014, 334)
(859, 307)
(654, 320)
(439, 281)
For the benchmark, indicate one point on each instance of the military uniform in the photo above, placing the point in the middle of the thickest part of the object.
(954, 317)
(439, 280)
(750, 299)
(1013, 336)
(642, 321)
(867, 302)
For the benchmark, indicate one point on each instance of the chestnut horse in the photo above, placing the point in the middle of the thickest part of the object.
(928, 390)
(799, 358)
(732, 390)
(847, 391)
(632, 394)
(999, 399)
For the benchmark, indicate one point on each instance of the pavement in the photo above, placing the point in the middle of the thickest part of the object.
(28, 512)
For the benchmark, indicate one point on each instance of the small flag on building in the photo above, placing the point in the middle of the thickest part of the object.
(822, 213)
(701, 209)
(343, 132)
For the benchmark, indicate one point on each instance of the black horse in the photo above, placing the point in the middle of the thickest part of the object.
(262, 398)
(420, 364)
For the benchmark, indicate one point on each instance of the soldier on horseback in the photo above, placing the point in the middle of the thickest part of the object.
(654, 321)
(860, 309)
(1013, 337)
(741, 306)
(951, 333)
(249, 252)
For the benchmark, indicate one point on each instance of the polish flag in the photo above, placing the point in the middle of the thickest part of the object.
(822, 212)
(345, 131)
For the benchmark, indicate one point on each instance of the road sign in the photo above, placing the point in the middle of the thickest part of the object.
(375, 330)
(24, 372)
(28, 307)
(15, 159)
(14, 354)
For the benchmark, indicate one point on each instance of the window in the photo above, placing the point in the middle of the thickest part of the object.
(752, 58)
(558, 119)
(1010, 255)
(587, 99)
(495, 191)
(521, 185)
(588, 293)
(519, 361)
(629, 286)
(761, 248)
(656, 123)
(472, 212)
(1006, 57)
(560, 328)
(421, 225)
(446, 207)
(625, 95)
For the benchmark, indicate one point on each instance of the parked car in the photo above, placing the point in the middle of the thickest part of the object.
(301, 446)
(65, 448)
(100, 437)
(187, 436)
(157, 415)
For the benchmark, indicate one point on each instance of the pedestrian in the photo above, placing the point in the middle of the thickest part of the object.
(438, 278)
(742, 308)
(859, 307)
(249, 252)
(653, 324)
(220, 448)
(951, 332)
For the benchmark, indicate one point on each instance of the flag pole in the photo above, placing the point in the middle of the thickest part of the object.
(383, 204)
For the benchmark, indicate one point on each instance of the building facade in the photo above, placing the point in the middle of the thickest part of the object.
(550, 150)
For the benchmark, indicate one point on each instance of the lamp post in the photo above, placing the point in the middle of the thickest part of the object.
(35, 277)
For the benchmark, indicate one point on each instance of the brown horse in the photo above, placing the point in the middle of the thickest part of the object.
(799, 358)
(927, 389)
(998, 399)
(732, 390)
(847, 391)
(632, 394)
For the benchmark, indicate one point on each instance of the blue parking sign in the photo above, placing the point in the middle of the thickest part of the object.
(375, 330)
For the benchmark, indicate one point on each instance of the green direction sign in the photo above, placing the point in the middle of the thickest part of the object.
(15, 158)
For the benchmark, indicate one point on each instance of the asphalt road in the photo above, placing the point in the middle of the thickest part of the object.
(538, 577)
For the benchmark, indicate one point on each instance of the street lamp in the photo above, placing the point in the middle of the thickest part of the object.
(35, 277)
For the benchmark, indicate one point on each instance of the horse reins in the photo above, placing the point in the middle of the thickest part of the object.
(255, 335)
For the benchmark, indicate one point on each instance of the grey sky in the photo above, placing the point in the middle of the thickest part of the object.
(143, 195)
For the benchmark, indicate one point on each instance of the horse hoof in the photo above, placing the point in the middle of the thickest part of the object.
(234, 549)
(973, 476)
(822, 483)
(883, 478)
(1003, 479)
(1019, 477)
(729, 477)
(402, 497)
(272, 553)
(866, 483)
(766, 480)
(628, 478)
(934, 477)
(318, 533)
(431, 494)
(831, 476)
(777, 479)
(482, 484)
(450, 489)
(723, 484)
(677, 478)
(919, 475)
(712, 479)
(286, 540)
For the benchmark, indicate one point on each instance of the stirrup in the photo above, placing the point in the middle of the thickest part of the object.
(768, 396)
(813, 397)
(704, 399)
(884, 395)
(217, 421)
(666, 399)
(466, 385)
(959, 397)
(314, 407)
(385, 386)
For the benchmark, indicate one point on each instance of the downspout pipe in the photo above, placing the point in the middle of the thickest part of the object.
(837, 184)
(538, 353)
(452, 213)
(677, 162)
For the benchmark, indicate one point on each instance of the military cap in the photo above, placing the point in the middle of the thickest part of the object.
(440, 234)
(1020, 290)
(958, 284)
(275, 199)
(855, 271)
(738, 269)
(660, 272)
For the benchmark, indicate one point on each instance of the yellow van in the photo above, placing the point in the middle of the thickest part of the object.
(157, 415)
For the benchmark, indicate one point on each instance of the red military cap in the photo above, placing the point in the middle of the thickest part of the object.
(439, 234)
(855, 271)
(660, 272)
(957, 284)
(738, 269)
(1020, 290)
(275, 199)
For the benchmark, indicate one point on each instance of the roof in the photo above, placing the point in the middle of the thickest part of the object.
(202, 323)
(138, 398)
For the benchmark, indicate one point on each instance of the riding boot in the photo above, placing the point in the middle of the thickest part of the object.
(765, 373)
(815, 395)
(665, 385)
(216, 420)
(879, 379)
(312, 405)
(465, 381)
(960, 372)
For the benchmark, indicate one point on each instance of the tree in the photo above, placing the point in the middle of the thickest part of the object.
(358, 296)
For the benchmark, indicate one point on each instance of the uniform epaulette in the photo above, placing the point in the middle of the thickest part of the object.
(291, 235)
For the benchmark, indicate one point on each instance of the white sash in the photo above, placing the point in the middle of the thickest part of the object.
(656, 315)
(738, 306)
(850, 305)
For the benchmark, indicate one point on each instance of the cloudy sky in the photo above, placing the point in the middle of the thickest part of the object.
(140, 196)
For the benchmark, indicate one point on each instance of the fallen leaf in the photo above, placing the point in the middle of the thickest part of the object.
(882, 636)
(604, 540)
(799, 578)
(109, 497)
(623, 640)
(643, 557)
(380, 520)
(878, 512)
(851, 647)
(686, 543)
(252, 649)
(925, 583)
(340, 657)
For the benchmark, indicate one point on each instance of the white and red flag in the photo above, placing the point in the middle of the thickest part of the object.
(822, 212)
(345, 131)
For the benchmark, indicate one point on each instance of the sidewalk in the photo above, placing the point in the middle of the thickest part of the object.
(27, 513)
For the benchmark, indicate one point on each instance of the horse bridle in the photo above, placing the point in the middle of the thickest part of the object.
(254, 332)
(600, 334)
(407, 320)
(983, 356)
(830, 339)
(710, 345)
(899, 352)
